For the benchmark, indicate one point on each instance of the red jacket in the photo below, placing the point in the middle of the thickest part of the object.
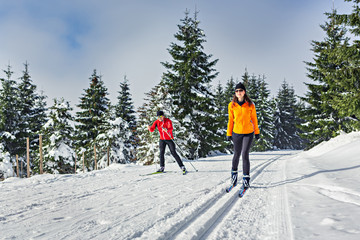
(165, 124)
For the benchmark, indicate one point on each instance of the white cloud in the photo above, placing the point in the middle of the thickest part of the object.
(65, 40)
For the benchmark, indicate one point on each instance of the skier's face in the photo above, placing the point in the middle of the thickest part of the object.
(239, 93)
(161, 118)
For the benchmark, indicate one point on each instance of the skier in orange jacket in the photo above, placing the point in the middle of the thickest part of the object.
(242, 125)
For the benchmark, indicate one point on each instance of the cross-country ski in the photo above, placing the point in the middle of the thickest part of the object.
(155, 173)
(242, 191)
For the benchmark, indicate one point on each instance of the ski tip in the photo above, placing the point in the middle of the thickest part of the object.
(242, 193)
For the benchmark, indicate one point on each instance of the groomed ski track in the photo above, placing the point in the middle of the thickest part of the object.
(118, 203)
(226, 216)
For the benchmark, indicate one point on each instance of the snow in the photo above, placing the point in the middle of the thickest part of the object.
(311, 194)
(6, 169)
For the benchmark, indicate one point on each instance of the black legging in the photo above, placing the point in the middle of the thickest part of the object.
(170, 143)
(242, 144)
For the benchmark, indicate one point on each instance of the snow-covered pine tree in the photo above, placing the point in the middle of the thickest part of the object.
(322, 120)
(32, 110)
(264, 112)
(125, 110)
(287, 134)
(9, 114)
(252, 86)
(221, 116)
(58, 135)
(229, 93)
(148, 147)
(112, 142)
(228, 97)
(6, 167)
(345, 79)
(257, 90)
(93, 105)
(245, 78)
(188, 80)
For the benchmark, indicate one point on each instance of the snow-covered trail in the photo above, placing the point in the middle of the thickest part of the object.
(118, 203)
(264, 211)
(294, 195)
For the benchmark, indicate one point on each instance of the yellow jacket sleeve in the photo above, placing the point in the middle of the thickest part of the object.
(254, 120)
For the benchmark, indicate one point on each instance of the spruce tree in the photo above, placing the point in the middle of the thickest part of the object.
(221, 116)
(322, 119)
(252, 85)
(94, 106)
(58, 135)
(148, 147)
(9, 114)
(346, 77)
(125, 110)
(112, 144)
(257, 90)
(229, 94)
(246, 78)
(188, 80)
(32, 110)
(264, 112)
(287, 135)
(6, 167)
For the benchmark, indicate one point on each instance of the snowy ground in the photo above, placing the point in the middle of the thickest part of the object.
(294, 195)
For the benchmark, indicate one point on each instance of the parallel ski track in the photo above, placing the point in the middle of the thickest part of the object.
(264, 215)
(210, 217)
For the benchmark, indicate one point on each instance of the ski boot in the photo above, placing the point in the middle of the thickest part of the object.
(184, 171)
(161, 169)
(234, 178)
(246, 181)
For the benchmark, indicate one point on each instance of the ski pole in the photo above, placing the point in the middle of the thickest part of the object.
(181, 150)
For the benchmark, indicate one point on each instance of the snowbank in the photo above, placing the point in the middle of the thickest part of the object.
(342, 140)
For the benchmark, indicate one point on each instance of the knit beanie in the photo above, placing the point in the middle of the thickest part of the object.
(240, 86)
(160, 113)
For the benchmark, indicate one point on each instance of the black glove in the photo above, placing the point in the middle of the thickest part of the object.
(257, 136)
(229, 138)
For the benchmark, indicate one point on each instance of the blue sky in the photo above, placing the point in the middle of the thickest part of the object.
(63, 40)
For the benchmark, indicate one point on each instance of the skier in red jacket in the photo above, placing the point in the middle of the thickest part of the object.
(164, 125)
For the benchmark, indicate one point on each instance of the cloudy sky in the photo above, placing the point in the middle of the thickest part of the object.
(65, 40)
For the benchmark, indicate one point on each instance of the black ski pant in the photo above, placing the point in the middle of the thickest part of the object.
(171, 144)
(242, 144)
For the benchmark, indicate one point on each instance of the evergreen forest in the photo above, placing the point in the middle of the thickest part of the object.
(101, 132)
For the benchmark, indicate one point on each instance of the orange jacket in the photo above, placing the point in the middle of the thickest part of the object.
(242, 119)
(160, 125)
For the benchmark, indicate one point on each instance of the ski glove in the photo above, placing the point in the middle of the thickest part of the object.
(229, 138)
(257, 136)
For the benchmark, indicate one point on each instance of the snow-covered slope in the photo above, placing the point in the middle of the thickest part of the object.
(294, 195)
(324, 189)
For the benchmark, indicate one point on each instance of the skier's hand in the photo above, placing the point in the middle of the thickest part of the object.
(229, 138)
(257, 136)
(165, 129)
(149, 128)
